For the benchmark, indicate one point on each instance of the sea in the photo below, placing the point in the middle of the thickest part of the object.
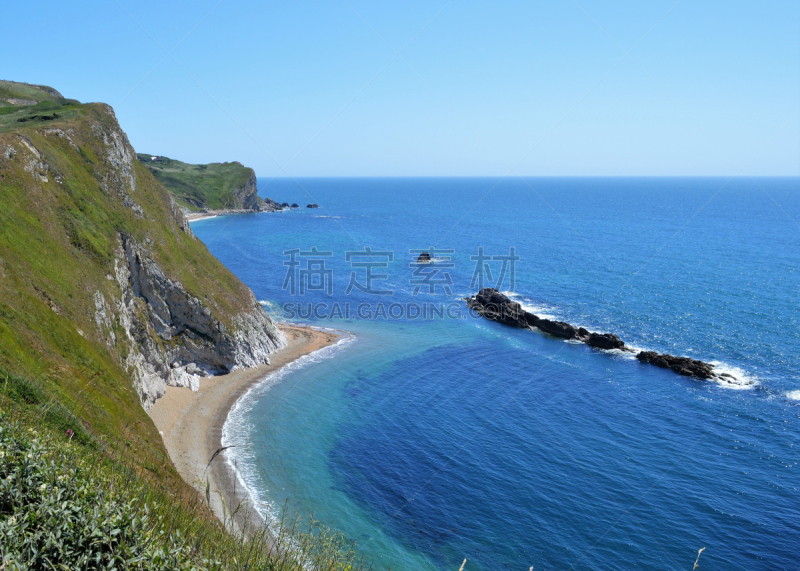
(430, 435)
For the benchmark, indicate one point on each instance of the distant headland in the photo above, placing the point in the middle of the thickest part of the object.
(213, 189)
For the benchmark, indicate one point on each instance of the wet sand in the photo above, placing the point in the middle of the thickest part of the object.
(191, 422)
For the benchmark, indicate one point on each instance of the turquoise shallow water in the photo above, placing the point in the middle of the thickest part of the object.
(433, 440)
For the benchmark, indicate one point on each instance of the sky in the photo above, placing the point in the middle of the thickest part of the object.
(432, 88)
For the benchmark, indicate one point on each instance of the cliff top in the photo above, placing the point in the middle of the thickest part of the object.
(196, 187)
(23, 104)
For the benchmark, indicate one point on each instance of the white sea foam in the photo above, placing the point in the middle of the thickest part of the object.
(738, 379)
(528, 304)
(793, 395)
(237, 429)
(631, 356)
(741, 379)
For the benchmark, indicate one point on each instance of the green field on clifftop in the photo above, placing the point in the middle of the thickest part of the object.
(198, 186)
(23, 105)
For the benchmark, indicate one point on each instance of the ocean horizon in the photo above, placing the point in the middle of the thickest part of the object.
(433, 437)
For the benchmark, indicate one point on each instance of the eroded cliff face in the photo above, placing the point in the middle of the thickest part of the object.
(247, 198)
(118, 242)
(172, 337)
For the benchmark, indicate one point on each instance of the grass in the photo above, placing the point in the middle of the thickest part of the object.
(58, 246)
(93, 486)
(70, 503)
(48, 105)
(27, 91)
(199, 186)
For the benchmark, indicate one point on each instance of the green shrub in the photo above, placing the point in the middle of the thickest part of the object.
(65, 506)
(56, 513)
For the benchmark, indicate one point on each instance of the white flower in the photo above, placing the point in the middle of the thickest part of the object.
(43, 487)
(12, 520)
(2, 454)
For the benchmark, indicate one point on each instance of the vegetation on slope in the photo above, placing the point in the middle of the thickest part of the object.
(27, 105)
(66, 502)
(198, 187)
(58, 242)
(69, 190)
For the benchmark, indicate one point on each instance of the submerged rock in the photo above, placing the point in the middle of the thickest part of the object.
(312, 205)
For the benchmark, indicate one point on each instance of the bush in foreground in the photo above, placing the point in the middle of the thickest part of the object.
(64, 506)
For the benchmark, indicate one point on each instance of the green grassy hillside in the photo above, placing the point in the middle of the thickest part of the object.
(26, 93)
(87, 237)
(212, 186)
(67, 503)
(32, 105)
(61, 217)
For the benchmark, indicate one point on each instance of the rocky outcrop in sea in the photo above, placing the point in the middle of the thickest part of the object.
(496, 306)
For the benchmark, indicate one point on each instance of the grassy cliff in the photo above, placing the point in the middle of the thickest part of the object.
(215, 186)
(199, 186)
(61, 217)
(104, 289)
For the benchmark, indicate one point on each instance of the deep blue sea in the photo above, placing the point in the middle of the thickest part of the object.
(442, 437)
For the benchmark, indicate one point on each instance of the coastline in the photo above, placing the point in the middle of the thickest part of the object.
(195, 216)
(190, 422)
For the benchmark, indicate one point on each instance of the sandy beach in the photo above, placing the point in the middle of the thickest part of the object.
(194, 216)
(199, 216)
(191, 421)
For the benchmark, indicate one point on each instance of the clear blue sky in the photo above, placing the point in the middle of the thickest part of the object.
(364, 88)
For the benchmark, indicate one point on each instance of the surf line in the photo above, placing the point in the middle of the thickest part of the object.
(496, 306)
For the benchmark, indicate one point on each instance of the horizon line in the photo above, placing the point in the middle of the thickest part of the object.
(745, 176)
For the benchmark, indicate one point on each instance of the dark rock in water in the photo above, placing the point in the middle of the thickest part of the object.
(681, 365)
(531, 319)
(557, 329)
(424, 258)
(312, 205)
(603, 340)
(493, 305)
(554, 328)
(295, 205)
